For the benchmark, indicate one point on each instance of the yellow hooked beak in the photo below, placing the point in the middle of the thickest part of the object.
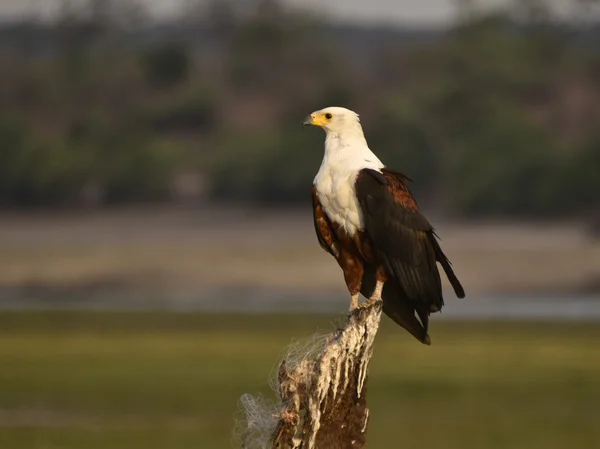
(315, 119)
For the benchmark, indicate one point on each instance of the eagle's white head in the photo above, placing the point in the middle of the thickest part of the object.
(344, 135)
(336, 121)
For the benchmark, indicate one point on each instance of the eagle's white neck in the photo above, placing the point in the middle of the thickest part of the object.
(351, 136)
(346, 153)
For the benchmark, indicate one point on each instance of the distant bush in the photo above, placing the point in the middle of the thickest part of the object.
(166, 64)
(195, 112)
(580, 187)
(36, 171)
(128, 162)
(134, 166)
(268, 167)
(507, 165)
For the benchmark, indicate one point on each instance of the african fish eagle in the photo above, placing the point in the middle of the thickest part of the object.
(366, 217)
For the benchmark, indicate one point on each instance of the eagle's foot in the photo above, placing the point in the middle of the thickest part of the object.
(366, 305)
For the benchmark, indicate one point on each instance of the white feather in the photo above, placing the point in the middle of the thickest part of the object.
(346, 153)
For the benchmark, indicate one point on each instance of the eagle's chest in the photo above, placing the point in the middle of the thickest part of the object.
(337, 195)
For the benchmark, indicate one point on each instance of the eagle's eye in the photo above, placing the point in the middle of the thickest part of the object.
(328, 116)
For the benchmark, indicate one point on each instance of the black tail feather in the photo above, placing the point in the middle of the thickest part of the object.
(447, 266)
(403, 313)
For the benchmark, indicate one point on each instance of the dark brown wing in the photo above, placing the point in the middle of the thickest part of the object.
(323, 227)
(403, 239)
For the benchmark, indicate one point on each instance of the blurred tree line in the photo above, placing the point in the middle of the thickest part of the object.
(497, 116)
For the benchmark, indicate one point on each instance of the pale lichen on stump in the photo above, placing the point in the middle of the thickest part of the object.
(322, 395)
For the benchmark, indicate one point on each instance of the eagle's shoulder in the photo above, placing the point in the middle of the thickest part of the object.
(386, 190)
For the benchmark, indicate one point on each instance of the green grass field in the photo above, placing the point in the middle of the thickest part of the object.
(167, 380)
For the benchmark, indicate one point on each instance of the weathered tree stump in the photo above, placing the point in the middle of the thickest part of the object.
(322, 394)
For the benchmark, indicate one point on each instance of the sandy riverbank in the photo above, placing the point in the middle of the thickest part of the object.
(187, 250)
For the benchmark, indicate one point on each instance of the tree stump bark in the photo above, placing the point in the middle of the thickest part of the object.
(322, 394)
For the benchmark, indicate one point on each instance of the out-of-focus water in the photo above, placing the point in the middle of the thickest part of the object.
(560, 307)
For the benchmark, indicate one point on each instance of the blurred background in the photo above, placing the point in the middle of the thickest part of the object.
(157, 251)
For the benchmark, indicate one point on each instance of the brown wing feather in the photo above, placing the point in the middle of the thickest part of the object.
(403, 239)
(323, 227)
